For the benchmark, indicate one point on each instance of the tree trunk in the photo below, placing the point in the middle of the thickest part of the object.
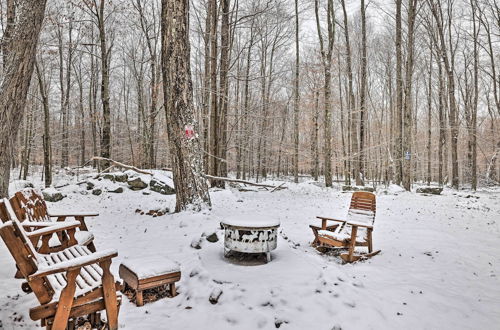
(106, 110)
(399, 98)
(296, 99)
(191, 187)
(407, 108)
(16, 79)
(47, 159)
(362, 102)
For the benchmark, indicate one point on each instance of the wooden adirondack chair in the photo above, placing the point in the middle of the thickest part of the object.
(68, 284)
(356, 230)
(30, 206)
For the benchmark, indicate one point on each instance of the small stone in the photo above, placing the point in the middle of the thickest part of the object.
(118, 190)
(147, 193)
(214, 296)
(90, 185)
(212, 238)
(196, 243)
(97, 192)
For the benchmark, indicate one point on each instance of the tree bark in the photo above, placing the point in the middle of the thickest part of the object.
(296, 98)
(16, 79)
(191, 187)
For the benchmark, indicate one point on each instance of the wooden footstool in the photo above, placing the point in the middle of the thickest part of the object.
(148, 273)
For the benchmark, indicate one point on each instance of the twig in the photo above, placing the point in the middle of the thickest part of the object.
(115, 163)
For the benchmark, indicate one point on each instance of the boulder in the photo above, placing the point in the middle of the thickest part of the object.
(109, 176)
(118, 190)
(97, 192)
(430, 190)
(136, 183)
(161, 187)
(24, 184)
(52, 195)
(358, 188)
(121, 177)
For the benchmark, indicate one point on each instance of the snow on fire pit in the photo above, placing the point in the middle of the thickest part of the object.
(251, 235)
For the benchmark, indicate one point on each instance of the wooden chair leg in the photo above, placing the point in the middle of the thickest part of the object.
(352, 244)
(110, 300)
(370, 246)
(65, 301)
(172, 289)
(139, 299)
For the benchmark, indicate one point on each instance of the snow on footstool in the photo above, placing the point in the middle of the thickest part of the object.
(149, 272)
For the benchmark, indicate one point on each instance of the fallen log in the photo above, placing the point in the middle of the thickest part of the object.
(245, 182)
(118, 164)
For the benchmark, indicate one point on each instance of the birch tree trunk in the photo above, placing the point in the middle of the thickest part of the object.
(187, 161)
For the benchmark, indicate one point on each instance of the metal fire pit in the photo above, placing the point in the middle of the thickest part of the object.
(251, 236)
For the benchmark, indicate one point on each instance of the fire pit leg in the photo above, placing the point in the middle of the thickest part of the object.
(268, 256)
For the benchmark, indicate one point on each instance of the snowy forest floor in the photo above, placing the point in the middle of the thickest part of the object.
(439, 266)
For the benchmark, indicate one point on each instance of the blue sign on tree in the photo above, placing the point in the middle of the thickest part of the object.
(407, 155)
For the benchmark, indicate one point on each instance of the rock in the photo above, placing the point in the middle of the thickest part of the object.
(52, 195)
(121, 177)
(196, 243)
(430, 190)
(24, 184)
(109, 176)
(136, 183)
(358, 188)
(161, 187)
(118, 190)
(145, 192)
(212, 238)
(215, 295)
(97, 191)
(90, 185)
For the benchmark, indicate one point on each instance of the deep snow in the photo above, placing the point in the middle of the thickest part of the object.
(439, 267)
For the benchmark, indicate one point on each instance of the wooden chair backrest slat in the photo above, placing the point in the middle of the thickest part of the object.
(28, 204)
(20, 248)
(361, 200)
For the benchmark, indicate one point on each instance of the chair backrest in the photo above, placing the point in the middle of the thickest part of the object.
(23, 252)
(363, 207)
(28, 204)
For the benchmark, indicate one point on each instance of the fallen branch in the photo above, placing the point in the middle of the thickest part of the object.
(244, 182)
(118, 164)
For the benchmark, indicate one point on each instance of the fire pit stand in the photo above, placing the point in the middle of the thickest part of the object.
(255, 235)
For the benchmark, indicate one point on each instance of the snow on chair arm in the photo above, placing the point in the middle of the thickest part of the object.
(73, 214)
(79, 262)
(54, 228)
(330, 219)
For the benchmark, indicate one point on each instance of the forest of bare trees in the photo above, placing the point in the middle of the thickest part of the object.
(358, 92)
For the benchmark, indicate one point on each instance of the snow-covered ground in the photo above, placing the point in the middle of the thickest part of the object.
(439, 267)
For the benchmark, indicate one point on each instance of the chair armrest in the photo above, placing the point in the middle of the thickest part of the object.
(54, 228)
(330, 219)
(72, 264)
(74, 214)
(359, 224)
(37, 224)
